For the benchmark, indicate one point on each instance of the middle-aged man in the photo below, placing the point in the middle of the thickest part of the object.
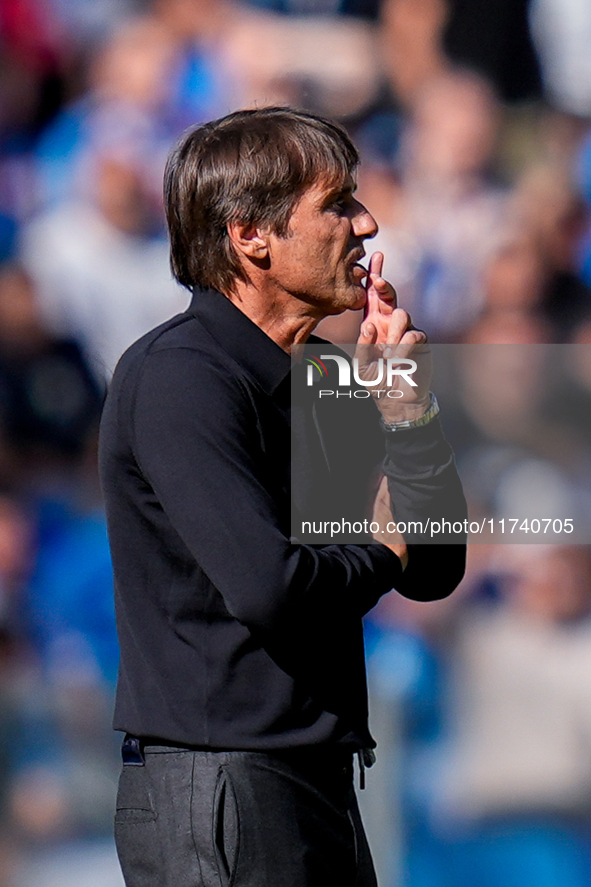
(242, 684)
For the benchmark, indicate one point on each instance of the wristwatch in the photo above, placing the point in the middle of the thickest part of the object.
(427, 417)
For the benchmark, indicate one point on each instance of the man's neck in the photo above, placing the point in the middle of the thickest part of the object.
(285, 319)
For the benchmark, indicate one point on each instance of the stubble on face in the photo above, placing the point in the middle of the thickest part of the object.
(317, 262)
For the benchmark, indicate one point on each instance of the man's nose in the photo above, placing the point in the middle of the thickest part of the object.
(363, 223)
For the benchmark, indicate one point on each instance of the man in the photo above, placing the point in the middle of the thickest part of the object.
(242, 683)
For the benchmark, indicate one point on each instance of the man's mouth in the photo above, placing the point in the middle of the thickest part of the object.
(358, 272)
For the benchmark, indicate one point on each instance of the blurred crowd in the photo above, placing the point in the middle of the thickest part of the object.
(474, 124)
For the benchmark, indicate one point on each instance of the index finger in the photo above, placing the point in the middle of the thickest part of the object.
(380, 296)
(376, 263)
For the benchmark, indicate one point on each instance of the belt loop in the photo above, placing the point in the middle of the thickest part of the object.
(361, 763)
(132, 751)
(366, 758)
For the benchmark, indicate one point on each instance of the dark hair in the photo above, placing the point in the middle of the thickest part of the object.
(252, 167)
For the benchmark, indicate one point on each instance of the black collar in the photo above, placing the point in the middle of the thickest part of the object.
(241, 338)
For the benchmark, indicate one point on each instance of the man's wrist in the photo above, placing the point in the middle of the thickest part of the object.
(412, 419)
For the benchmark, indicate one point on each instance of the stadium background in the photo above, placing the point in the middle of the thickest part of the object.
(474, 123)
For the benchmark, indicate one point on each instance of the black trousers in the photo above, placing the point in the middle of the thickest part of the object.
(241, 819)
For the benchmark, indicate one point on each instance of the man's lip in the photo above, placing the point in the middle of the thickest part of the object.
(354, 258)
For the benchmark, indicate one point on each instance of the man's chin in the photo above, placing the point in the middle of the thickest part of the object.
(354, 301)
(358, 297)
(351, 297)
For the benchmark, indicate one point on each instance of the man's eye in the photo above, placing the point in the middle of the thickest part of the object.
(341, 203)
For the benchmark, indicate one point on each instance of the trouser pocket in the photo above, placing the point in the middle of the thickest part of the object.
(135, 829)
(226, 831)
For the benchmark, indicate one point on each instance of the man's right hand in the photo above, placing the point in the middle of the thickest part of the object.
(387, 332)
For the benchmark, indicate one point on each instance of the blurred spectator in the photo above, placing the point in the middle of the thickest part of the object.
(574, 411)
(411, 36)
(16, 551)
(515, 800)
(328, 65)
(199, 29)
(423, 37)
(86, 22)
(510, 325)
(129, 83)
(513, 414)
(505, 56)
(448, 208)
(562, 33)
(66, 758)
(490, 695)
(553, 216)
(513, 281)
(150, 79)
(49, 399)
(31, 71)
(100, 263)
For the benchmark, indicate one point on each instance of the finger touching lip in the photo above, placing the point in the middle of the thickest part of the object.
(359, 272)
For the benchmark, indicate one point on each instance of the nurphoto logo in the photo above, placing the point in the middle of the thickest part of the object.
(386, 370)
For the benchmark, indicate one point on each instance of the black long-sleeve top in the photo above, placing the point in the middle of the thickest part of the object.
(232, 634)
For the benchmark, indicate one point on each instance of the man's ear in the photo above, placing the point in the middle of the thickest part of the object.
(248, 240)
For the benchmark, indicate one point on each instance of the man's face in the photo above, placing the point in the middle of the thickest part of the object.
(316, 261)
